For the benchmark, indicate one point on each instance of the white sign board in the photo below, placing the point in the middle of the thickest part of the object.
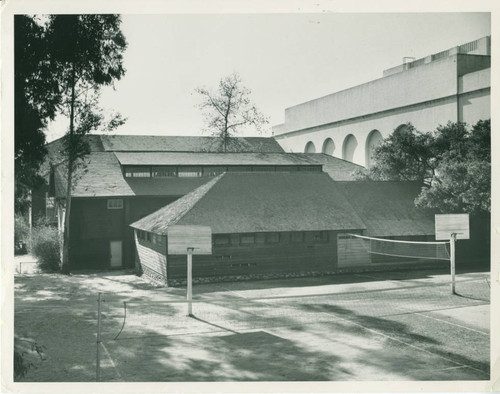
(447, 224)
(180, 238)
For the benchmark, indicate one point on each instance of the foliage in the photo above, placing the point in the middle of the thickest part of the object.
(406, 155)
(21, 349)
(36, 97)
(87, 53)
(227, 110)
(453, 164)
(21, 228)
(45, 246)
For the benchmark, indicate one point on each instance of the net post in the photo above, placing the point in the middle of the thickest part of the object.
(190, 280)
(98, 355)
(452, 261)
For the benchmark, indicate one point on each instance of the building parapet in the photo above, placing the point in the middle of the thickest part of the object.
(481, 46)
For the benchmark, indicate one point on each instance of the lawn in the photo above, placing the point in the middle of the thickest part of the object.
(383, 326)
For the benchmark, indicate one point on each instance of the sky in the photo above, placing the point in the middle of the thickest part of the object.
(284, 59)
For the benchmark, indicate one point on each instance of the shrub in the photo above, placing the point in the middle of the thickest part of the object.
(25, 353)
(21, 232)
(45, 247)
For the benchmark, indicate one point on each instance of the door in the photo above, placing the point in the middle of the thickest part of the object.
(115, 248)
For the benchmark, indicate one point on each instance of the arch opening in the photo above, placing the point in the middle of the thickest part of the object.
(349, 147)
(310, 148)
(373, 140)
(328, 147)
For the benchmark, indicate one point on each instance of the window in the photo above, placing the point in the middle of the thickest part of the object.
(239, 168)
(163, 171)
(221, 240)
(156, 239)
(297, 236)
(189, 172)
(317, 236)
(310, 168)
(213, 170)
(272, 238)
(260, 238)
(137, 172)
(321, 236)
(148, 236)
(115, 203)
(246, 239)
(264, 168)
(286, 168)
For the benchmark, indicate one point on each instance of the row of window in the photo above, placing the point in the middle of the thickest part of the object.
(198, 171)
(269, 238)
(150, 237)
(249, 238)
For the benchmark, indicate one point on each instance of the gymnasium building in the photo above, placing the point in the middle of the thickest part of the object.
(452, 85)
(128, 177)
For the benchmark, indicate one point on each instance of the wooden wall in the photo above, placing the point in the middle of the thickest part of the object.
(93, 225)
(151, 256)
(261, 257)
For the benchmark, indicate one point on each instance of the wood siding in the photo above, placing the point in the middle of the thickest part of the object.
(261, 257)
(152, 257)
(93, 226)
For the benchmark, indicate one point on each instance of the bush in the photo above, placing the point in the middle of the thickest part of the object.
(21, 233)
(25, 353)
(45, 247)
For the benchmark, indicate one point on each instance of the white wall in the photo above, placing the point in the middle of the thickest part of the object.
(424, 118)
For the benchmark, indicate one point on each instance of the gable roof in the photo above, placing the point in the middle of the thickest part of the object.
(203, 158)
(257, 202)
(338, 169)
(102, 177)
(169, 143)
(387, 207)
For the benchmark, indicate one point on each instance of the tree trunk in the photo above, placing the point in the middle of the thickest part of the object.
(65, 266)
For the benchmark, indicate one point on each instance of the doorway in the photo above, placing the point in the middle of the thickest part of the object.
(115, 248)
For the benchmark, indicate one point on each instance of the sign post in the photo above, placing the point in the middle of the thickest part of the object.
(190, 280)
(452, 261)
(452, 227)
(189, 240)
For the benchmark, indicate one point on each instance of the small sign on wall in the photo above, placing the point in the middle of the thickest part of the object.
(447, 224)
(180, 238)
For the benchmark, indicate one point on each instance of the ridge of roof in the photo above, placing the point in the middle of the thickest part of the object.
(160, 220)
(256, 202)
(175, 143)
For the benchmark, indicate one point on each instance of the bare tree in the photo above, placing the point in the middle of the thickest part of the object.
(229, 109)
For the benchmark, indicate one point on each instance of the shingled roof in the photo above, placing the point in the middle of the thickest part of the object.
(257, 202)
(102, 177)
(338, 169)
(387, 207)
(161, 143)
(202, 158)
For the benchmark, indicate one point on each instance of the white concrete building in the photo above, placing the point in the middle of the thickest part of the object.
(453, 85)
